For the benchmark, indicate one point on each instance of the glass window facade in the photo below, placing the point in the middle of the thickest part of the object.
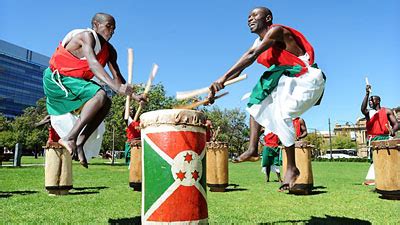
(21, 73)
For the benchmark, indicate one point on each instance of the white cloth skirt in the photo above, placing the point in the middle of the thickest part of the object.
(63, 125)
(290, 99)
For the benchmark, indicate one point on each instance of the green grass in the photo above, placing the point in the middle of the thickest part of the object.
(102, 196)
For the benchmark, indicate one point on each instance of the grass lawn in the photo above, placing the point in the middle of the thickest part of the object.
(101, 195)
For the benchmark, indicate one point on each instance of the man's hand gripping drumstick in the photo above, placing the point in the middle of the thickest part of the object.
(219, 85)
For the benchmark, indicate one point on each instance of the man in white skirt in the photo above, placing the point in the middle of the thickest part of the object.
(291, 85)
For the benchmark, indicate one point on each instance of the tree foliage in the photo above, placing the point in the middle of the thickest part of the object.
(233, 127)
(342, 142)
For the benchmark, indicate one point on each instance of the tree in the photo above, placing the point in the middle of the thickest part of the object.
(342, 142)
(233, 127)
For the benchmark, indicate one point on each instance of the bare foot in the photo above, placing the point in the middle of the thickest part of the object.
(290, 178)
(82, 156)
(247, 156)
(69, 145)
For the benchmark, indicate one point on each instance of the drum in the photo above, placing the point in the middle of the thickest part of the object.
(217, 166)
(305, 182)
(386, 157)
(135, 166)
(173, 156)
(58, 169)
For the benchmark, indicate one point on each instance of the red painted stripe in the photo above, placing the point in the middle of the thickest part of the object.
(185, 204)
(174, 142)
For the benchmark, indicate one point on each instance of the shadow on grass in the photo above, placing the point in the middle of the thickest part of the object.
(319, 187)
(90, 188)
(333, 220)
(107, 164)
(7, 194)
(84, 193)
(125, 221)
(235, 189)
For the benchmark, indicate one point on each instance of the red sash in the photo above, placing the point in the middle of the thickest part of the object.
(377, 124)
(69, 65)
(297, 127)
(271, 140)
(53, 136)
(281, 57)
(131, 131)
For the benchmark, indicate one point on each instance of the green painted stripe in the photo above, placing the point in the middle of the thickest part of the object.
(204, 175)
(157, 176)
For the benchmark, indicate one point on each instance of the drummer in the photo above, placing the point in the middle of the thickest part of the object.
(132, 133)
(300, 128)
(381, 123)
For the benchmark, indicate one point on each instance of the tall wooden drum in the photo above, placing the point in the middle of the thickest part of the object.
(135, 166)
(174, 180)
(386, 157)
(58, 169)
(305, 182)
(217, 166)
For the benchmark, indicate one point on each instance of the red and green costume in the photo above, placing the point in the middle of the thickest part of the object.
(67, 82)
(271, 151)
(290, 86)
(376, 126)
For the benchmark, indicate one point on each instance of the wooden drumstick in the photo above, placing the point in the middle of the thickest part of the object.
(367, 83)
(199, 103)
(130, 66)
(189, 94)
(389, 129)
(147, 88)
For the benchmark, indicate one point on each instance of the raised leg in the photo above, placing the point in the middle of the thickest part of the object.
(252, 152)
(92, 114)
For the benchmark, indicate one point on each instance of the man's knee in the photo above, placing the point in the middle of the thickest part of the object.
(104, 100)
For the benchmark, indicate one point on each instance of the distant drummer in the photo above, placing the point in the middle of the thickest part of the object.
(132, 133)
(300, 128)
(381, 124)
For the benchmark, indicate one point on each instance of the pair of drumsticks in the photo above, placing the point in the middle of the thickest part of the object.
(146, 89)
(179, 95)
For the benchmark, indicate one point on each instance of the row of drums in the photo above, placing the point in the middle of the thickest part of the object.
(386, 157)
(173, 165)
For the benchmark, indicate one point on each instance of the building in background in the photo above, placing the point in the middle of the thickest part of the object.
(21, 73)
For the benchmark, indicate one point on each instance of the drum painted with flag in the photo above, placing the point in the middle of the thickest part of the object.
(217, 166)
(173, 166)
(386, 157)
(305, 182)
(135, 166)
(58, 169)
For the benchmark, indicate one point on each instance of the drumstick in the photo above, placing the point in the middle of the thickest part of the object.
(199, 103)
(389, 129)
(189, 94)
(366, 82)
(214, 138)
(130, 66)
(147, 88)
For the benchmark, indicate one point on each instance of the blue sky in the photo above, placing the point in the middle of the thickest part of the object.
(195, 42)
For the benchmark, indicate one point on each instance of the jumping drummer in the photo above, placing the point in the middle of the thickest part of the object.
(381, 124)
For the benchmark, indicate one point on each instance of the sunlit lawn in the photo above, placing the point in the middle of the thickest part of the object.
(101, 195)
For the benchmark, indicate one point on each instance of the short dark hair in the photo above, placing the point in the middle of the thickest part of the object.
(376, 96)
(266, 11)
(100, 17)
